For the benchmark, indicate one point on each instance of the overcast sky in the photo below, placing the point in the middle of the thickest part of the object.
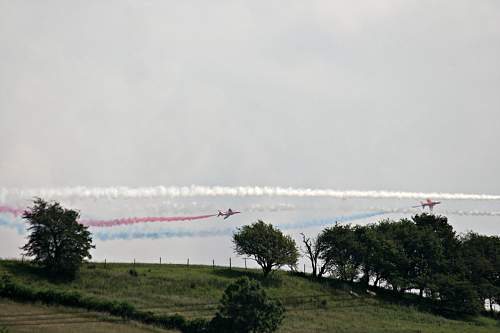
(399, 95)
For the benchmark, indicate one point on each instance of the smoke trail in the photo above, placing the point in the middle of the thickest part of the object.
(133, 233)
(338, 219)
(19, 226)
(11, 210)
(214, 191)
(105, 235)
(133, 220)
(440, 211)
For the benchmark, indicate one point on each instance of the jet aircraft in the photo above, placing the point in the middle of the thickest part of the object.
(428, 203)
(228, 213)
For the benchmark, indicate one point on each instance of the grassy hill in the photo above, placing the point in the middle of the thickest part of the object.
(194, 292)
(36, 318)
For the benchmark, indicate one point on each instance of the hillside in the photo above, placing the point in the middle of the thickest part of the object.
(36, 318)
(194, 291)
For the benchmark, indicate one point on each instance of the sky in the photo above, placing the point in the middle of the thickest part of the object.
(365, 95)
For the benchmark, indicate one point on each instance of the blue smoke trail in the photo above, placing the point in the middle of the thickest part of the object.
(165, 232)
(129, 232)
(339, 219)
(107, 234)
(18, 225)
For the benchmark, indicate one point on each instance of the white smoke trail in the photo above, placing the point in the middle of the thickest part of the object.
(445, 212)
(215, 191)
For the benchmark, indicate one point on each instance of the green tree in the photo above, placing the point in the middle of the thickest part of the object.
(267, 245)
(56, 241)
(246, 308)
(455, 297)
(340, 250)
(481, 258)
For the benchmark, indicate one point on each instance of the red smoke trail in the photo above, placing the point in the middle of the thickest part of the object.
(15, 211)
(132, 220)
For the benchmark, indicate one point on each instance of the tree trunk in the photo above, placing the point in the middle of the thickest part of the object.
(266, 269)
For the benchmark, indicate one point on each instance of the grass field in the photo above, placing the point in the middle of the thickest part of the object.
(31, 318)
(194, 291)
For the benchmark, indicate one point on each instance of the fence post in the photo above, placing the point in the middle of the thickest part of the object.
(245, 263)
(160, 260)
(188, 263)
(213, 263)
(134, 262)
(104, 262)
(304, 268)
(229, 262)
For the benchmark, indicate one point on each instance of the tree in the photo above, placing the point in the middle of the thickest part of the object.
(341, 252)
(267, 245)
(56, 241)
(481, 258)
(313, 252)
(245, 307)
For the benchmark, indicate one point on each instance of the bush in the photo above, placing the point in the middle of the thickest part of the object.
(246, 308)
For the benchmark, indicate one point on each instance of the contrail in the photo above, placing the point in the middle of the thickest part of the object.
(19, 226)
(439, 211)
(11, 210)
(134, 220)
(328, 221)
(216, 191)
(109, 234)
(133, 233)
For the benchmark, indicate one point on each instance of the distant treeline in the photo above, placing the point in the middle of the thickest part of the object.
(455, 274)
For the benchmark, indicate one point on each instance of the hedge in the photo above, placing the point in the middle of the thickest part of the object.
(15, 291)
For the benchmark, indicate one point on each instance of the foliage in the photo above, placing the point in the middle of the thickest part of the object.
(15, 291)
(245, 307)
(481, 260)
(424, 253)
(169, 286)
(267, 245)
(456, 297)
(56, 241)
(340, 252)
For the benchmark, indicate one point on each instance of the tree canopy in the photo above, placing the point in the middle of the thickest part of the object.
(455, 274)
(268, 246)
(56, 240)
(245, 307)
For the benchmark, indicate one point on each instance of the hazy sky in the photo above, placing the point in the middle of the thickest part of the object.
(397, 95)
(380, 94)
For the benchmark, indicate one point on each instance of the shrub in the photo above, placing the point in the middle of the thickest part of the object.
(245, 307)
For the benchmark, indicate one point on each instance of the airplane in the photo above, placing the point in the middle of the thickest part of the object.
(228, 213)
(428, 203)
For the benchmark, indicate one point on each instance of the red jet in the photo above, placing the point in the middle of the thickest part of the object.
(228, 213)
(428, 203)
